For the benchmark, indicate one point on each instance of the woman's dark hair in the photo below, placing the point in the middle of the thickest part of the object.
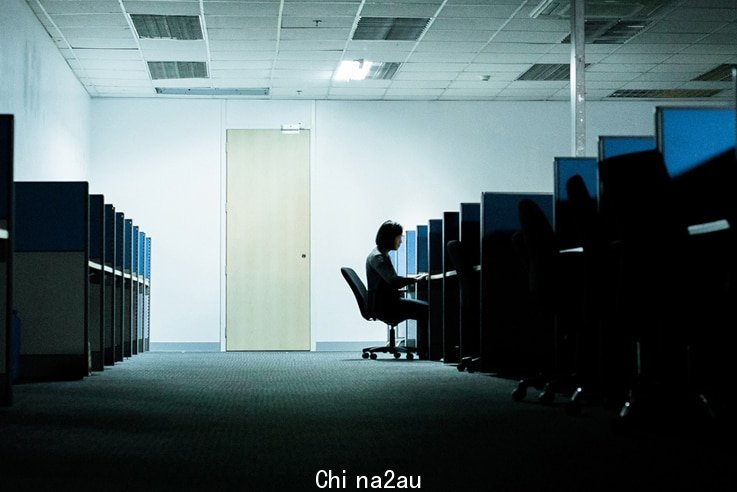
(386, 234)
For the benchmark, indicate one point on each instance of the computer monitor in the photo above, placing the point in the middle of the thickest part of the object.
(690, 136)
(613, 145)
(564, 221)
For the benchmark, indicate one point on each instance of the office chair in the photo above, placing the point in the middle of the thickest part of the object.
(555, 307)
(359, 291)
(470, 307)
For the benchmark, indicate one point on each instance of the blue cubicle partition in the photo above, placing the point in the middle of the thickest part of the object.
(690, 136)
(422, 249)
(7, 338)
(96, 326)
(435, 254)
(121, 318)
(147, 312)
(411, 245)
(50, 275)
(141, 289)
(504, 331)
(451, 306)
(564, 223)
(614, 145)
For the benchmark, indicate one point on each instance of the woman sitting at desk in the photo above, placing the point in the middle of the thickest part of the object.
(385, 302)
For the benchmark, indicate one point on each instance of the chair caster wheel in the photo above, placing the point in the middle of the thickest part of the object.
(471, 369)
(460, 367)
(397, 355)
(365, 355)
(519, 393)
(410, 356)
(373, 356)
(546, 397)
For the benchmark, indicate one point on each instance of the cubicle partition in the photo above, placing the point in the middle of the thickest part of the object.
(50, 276)
(410, 268)
(564, 221)
(108, 314)
(97, 281)
(451, 304)
(141, 282)
(421, 266)
(435, 253)
(505, 330)
(121, 318)
(147, 298)
(6, 256)
(135, 288)
(127, 302)
(470, 237)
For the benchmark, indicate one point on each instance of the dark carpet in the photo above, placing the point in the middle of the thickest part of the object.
(306, 421)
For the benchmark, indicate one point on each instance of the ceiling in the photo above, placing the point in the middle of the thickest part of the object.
(431, 49)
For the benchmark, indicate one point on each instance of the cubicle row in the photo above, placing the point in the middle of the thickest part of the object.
(505, 331)
(76, 275)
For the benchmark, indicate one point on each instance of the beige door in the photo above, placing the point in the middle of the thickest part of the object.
(268, 239)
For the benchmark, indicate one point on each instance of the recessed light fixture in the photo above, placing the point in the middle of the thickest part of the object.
(353, 70)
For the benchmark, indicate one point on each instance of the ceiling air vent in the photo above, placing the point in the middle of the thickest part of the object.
(607, 9)
(181, 27)
(390, 28)
(722, 73)
(383, 70)
(207, 91)
(177, 70)
(548, 72)
(664, 93)
(610, 31)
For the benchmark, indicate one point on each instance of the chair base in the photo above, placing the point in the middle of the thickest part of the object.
(390, 348)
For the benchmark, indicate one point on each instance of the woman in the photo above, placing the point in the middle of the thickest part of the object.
(384, 299)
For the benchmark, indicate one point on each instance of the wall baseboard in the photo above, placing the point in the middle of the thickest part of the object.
(185, 347)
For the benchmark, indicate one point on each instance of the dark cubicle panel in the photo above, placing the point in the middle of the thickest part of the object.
(121, 318)
(435, 253)
(141, 289)
(564, 222)
(50, 275)
(135, 288)
(451, 305)
(96, 290)
(506, 337)
(470, 237)
(127, 302)
(108, 314)
(6, 256)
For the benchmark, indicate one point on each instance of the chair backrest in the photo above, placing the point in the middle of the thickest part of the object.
(358, 289)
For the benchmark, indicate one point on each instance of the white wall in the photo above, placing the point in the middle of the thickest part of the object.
(51, 107)
(162, 162)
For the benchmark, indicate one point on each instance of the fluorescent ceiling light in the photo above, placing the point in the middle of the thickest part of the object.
(353, 70)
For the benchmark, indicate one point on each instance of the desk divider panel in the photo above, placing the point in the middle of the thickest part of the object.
(135, 289)
(470, 237)
(451, 306)
(141, 289)
(108, 314)
(564, 222)
(147, 299)
(505, 328)
(410, 268)
(8, 340)
(435, 252)
(421, 291)
(128, 289)
(120, 317)
(51, 262)
(96, 281)
(614, 145)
